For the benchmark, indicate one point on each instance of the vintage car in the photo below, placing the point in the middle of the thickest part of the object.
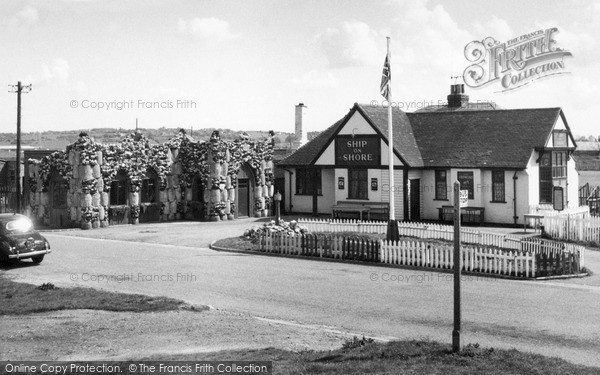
(19, 240)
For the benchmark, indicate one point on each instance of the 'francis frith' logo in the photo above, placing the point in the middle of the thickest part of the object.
(516, 62)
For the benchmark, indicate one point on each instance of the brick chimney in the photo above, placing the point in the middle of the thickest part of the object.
(457, 97)
(301, 138)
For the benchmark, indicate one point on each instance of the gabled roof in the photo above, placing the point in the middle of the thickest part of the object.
(445, 139)
(307, 154)
(482, 139)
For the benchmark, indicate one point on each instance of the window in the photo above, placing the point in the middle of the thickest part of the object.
(559, 164)
(553, 170)
(149, 188)
(441, 185)
(545, 179)
(498, 186)
(118, 190)
(308, 181)
(466, 182)
(358, 184)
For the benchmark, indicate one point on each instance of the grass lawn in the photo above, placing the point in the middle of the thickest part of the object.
(401, 357)
(20, 298)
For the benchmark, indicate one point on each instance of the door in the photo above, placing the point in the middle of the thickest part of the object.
(245, 191)
(243, 197)
(415, 200)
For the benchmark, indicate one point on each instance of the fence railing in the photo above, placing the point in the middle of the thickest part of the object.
(538, 258)
(569, 228)
(474, 258)
(411, 229)
(548, 211)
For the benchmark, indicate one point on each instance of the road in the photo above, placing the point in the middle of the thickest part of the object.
(555, 317)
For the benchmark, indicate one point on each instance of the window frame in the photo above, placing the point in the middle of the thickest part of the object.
(499, 179)
(309, 181)
(119, 188)
(149, 188)
(470, 187)
(441, 194)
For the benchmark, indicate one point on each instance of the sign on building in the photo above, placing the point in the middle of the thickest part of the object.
(464, 198)
(357, 151)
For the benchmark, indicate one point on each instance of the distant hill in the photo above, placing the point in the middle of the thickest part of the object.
(58, 140)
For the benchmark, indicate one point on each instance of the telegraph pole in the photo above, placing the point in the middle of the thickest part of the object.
(18, 88)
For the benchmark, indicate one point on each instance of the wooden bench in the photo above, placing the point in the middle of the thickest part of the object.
(349, 207)
(474, 215)
(361, 208)
(379, 209)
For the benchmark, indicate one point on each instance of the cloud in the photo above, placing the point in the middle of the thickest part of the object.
(316, 79)
(353, 44)
(497, 28)
(56, 72)
(208, 29)
(26, 16)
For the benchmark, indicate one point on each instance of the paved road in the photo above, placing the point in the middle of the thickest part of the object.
(559, 317)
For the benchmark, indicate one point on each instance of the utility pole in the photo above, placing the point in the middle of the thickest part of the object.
(457, 270)
(18, 88)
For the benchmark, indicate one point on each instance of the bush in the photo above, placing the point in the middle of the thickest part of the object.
(355, 342)
(271, 227)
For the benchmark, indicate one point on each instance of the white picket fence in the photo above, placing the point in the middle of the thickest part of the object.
(411, 229)
(568, 228)
(474, 258)
(548, 210)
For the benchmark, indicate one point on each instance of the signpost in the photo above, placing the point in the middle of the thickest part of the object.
(461, 199)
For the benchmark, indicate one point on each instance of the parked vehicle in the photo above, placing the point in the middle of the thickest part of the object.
(19, 240)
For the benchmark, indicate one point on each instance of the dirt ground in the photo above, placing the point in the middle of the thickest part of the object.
(70, 335)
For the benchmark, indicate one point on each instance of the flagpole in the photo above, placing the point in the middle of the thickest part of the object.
(392, 229)
(390, 142)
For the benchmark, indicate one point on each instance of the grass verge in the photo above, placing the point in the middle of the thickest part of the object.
(400, 357)
(19, 298)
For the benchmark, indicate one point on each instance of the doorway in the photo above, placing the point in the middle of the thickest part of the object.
(245, 192)
(415, 200)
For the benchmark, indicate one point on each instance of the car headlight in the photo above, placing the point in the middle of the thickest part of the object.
(7, 246)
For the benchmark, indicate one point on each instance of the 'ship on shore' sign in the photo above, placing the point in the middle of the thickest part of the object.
(360, 150)
(464, 198)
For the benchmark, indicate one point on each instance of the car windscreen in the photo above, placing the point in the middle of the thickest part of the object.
(20, 225)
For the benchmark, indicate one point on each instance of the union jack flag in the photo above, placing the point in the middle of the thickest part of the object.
(386, 78)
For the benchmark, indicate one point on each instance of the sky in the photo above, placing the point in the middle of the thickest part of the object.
(244, 65)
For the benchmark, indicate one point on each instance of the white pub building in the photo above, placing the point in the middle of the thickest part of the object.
(509, 160)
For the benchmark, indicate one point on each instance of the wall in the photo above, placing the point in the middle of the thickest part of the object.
(572, 184)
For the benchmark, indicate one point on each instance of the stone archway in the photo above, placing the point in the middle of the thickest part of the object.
(244, 199)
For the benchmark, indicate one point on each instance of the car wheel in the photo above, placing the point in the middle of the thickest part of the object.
(37, 259)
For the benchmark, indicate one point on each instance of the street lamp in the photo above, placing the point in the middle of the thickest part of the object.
(277, 199)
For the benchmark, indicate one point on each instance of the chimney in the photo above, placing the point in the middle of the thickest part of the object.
(457, 97)
(300, 134)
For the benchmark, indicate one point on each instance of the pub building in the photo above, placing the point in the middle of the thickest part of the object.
(510, 161)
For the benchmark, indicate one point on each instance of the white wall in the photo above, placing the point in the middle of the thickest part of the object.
(304, 203)
(572, 184)
(533, 177)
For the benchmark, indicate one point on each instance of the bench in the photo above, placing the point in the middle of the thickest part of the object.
(360, 208)
(474, 215)
(379, 209)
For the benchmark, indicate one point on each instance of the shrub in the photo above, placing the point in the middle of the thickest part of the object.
(291, 227)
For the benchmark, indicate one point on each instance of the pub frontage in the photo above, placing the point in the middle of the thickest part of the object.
(509, 161)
